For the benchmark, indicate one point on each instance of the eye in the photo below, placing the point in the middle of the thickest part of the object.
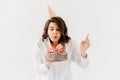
(58, 29)
(51, 29)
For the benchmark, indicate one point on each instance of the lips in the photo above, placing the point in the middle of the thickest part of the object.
(54, 36)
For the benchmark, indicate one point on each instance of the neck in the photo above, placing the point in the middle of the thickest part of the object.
(54, 44)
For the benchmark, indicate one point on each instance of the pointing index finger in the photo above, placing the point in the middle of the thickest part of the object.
(87, 37)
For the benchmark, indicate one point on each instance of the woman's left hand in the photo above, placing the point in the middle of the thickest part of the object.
(85, 44)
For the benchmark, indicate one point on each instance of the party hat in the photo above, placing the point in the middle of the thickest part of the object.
(51, 12)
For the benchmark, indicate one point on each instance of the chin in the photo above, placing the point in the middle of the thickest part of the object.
(55, 40)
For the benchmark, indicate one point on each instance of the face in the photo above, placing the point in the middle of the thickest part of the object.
(54, 32)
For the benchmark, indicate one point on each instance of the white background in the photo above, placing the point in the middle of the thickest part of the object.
(22, 21)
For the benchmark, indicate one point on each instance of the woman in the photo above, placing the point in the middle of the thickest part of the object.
(55, 39)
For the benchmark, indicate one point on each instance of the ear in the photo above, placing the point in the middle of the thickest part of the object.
(51, 13)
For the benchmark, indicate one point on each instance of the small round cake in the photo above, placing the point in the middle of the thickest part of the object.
(56, 54)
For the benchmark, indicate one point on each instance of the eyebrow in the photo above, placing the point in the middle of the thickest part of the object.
(53, 27)
(50, 26)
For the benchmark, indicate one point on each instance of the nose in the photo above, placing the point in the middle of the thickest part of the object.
(55, 31)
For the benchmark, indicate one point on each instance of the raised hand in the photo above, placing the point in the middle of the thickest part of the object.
(85, 44)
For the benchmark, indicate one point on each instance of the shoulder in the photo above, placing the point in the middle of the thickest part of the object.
(42, 43)
(71, 42)
(38, 42)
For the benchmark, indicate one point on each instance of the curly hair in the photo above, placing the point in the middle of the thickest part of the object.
(61, 25)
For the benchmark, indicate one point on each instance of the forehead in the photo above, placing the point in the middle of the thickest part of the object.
(53, 25)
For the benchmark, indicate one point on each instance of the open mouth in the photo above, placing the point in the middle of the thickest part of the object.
(54, 36)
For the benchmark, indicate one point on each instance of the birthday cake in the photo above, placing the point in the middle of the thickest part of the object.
(56, 54)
